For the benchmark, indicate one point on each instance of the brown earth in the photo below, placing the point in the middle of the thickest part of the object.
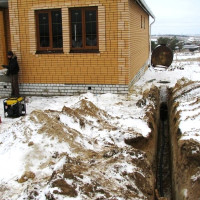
(185, 153)
(99, 165)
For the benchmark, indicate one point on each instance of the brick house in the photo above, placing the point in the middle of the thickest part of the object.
(67, 47)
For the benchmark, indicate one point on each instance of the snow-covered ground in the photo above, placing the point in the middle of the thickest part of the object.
(59, 134)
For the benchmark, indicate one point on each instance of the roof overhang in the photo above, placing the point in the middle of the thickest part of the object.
(3, 3)
(145, 7)
(142, 3)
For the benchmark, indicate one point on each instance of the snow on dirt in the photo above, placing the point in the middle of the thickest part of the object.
(85, 131)
(74, 147)
(187, 74)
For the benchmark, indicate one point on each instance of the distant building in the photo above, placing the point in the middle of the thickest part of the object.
(191, 47)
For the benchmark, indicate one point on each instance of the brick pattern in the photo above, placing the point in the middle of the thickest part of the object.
(5, 89)
(123, 41)
(123, 45)
(15, 28)
(62, 89)
(139, 38)
(138, 75)
(69, 68)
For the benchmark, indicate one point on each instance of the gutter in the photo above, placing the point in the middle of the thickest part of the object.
(145, 7)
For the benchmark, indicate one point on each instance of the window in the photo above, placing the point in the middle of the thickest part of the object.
(49, 31)
(84, 29)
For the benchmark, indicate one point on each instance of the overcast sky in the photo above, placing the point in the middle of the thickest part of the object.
(175, 16)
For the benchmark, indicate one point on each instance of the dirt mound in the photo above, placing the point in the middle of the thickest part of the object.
(93, 173)
(65, 188)
(191, 150)
(50, 124)
(185, 106)
(150, 99)
(55, 124)
(103, 157)
(85, 108)
(93, 176)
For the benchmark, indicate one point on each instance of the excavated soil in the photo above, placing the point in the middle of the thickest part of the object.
(185, 152)
(139, 152)
(103, 172)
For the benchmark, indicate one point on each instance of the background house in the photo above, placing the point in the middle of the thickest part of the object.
(66, 47)
(191, 47)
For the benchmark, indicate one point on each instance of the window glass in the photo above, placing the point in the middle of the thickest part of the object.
(44, 29)
(49, 30)
(84, 28)
(90, 15)
(91, 32)
(76, 28)
(57, 29)
(76, 15)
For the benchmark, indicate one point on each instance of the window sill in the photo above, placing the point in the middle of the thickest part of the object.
(49, 52)
(84, 51)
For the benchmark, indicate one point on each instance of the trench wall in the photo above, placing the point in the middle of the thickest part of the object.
(185, 163)
(149, 144)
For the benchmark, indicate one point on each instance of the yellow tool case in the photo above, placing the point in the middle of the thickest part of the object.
(14, 107)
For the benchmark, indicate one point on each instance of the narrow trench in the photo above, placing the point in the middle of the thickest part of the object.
(163, 175)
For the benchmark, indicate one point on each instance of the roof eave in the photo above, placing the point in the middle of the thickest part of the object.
(145, 7)
(142, 3)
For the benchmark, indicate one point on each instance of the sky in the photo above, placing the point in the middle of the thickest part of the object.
(175, 16)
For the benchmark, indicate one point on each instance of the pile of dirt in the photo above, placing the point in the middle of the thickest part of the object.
(184, 105)
(149, 144)
(92, 173)
(97, 167)
(92, 176)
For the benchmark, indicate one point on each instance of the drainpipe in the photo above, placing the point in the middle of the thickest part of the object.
(150, 38)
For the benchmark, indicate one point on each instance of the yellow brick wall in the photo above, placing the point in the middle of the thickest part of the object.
(123, 41)
(139, 38)
(110, 66)
(75, 68)
(3, 59)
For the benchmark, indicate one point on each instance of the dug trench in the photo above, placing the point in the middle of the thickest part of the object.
(168, 160)
(163, 171)
(158, 120)
(158, 145)
(177, 160)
